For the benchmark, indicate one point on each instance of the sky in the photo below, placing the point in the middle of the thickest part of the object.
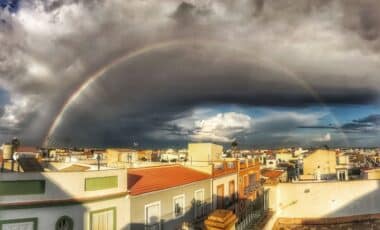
(265, 73)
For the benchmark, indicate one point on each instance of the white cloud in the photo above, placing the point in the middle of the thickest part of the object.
(205, 125)
(222, 127)
(201, 125)
(324, 138)
(15, 113)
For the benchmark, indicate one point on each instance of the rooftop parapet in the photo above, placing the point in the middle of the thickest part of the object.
(37, 187)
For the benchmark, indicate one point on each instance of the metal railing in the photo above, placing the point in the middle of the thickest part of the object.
(251, 188)
(193, 216)
(253, 212)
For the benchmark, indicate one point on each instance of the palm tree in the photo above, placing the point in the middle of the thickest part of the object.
(234, 146)
(15, 144)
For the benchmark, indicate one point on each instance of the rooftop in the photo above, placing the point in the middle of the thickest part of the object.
(144, 180)
(27, 149)
(271, 173)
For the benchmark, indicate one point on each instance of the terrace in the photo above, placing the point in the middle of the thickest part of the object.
(224, 168)
(247, 163)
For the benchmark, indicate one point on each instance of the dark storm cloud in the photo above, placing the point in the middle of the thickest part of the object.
(363, 17)
(139, 107)
(51, 47)
(369, 124)
(371, 119)
(56, 4)
(185, 11)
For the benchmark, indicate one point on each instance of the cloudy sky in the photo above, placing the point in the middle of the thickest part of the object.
(267, 73)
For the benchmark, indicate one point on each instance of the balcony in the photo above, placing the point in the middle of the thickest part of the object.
(248, 190)
(247, 163)
(224, 167)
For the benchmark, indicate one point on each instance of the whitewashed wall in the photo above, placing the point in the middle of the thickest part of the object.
(64, 185)
(48, 216)
(326, 199)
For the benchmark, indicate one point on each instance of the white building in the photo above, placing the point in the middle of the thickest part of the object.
(64, 200)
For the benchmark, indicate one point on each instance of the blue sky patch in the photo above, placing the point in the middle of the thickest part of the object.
(11, 5)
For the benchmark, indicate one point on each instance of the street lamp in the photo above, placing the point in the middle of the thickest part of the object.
(98, 160)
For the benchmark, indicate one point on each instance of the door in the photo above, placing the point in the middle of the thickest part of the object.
(103, 220)
(219, 196)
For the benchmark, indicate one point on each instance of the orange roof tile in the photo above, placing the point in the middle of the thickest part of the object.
(143, 180)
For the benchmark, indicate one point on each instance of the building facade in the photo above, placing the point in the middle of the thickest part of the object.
(64, 200)
(321, 164)
(168, 197)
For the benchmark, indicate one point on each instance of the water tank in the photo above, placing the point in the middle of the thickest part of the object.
(7, 151)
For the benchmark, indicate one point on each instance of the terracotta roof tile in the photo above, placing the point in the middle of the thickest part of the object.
(143, 180)
(27, 149)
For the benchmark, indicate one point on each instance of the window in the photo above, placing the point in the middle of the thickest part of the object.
(199, 195)
(153, 215)
(64, 223)
(104, 219)
(178, 206)
(231, 189)
(245, 178)
(19, 224)
(252, 179)
(199, 200)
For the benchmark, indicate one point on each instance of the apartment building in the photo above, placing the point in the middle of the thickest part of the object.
(168, 197)
(320, 164)
(64, 200)
(224, 184)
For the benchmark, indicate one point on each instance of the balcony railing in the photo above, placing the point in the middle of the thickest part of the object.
(230, 201)
(251, 188)
(246, 163)
(156, 226)
(193, 216)
(225, 167)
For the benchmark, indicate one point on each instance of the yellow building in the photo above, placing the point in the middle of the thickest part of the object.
(371, 174)
(320, 163)
(145, 155)
(204, 152)
(121, 155)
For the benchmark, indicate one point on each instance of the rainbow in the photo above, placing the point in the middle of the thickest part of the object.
(161, 45)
